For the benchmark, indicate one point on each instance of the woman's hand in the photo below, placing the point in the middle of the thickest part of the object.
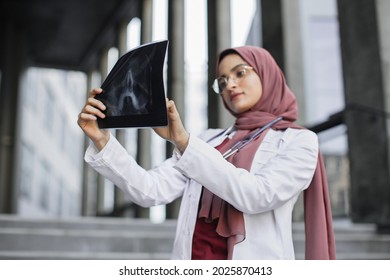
(87, 120)
(175, 131)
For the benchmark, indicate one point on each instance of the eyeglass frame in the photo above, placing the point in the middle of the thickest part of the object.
(215, 86)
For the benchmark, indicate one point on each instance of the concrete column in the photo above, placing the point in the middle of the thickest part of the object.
(119, 198)
(255, 34)
(85, 181)
(12, 63)
(144, 140)
(383, 9)
(290, 57)
(89, 193)
(293, 56)
(100, 179)
(146, 21)
(364, 95)
(272, 29)
(219, 38)
(176, 89)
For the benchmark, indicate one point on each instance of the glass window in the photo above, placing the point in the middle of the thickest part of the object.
(27, 164)
(29, 88)
(44, 186)
(48, 111)
(55, 197)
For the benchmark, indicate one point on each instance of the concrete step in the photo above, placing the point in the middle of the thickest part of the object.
(85, 238)
(353, 241)
(124, 238)
(91, 223)
(56, 255)
(353, 256)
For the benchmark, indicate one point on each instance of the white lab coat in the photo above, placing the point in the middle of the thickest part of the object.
(282, 168)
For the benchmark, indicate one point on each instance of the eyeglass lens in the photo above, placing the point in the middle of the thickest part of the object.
(237, 75)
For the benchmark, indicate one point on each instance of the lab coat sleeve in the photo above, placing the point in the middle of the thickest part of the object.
(266, 186)
(160, 185)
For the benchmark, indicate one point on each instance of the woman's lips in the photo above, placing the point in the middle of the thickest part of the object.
(235, 95)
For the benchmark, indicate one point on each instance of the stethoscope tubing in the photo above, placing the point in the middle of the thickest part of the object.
(242, 143)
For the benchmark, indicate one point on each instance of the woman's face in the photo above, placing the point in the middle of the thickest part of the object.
(243, 89)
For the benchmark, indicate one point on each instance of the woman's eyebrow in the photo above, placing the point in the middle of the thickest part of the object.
(235, 67)
(238, 65)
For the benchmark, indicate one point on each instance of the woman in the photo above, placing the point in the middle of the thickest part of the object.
(239, 185)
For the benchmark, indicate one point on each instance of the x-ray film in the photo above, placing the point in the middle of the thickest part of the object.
(133, 91)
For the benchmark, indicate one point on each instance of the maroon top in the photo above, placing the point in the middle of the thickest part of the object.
(207, 244)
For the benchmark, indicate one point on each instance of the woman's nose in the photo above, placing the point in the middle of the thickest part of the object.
(231, 82)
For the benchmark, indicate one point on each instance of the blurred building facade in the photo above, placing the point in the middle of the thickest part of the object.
(309, 39)
(51, 144)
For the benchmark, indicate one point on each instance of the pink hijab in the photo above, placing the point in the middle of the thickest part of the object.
(277, 100)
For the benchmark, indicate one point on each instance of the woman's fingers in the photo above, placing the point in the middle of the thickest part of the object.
(93, 101)
(96, 103)
(175, 131)
(86, 117)
(95, 91)
(173, 114)
(89, 109)
(93, 107)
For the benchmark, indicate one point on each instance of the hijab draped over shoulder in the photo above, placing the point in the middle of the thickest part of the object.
(277, 100)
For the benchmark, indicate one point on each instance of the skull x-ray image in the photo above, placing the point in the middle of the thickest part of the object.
(133, 92)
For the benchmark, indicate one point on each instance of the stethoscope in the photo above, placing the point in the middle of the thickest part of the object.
(243, 142)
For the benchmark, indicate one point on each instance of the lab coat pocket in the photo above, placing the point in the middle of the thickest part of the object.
(264, 154)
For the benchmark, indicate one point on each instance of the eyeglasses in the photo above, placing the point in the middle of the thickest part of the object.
(238, 74)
